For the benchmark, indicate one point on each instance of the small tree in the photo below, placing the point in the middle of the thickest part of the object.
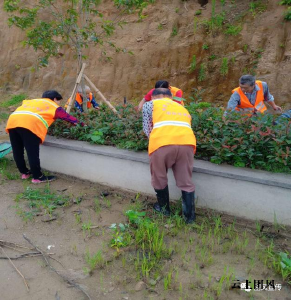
(51, 25)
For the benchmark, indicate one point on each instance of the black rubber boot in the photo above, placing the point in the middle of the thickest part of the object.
(188, 206)
(163, 204)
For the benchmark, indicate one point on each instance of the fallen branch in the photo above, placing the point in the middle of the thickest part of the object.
(12, 245)
(24, 255)
(65, 278)
(16, 268)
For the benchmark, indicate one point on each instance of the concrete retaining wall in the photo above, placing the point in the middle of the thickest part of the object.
(242, 192)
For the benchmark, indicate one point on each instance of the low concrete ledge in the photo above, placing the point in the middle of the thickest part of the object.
(241, 192)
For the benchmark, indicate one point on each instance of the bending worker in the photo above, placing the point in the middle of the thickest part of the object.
(172, 144)
(176, 93)
(250, 96)
(27, 127)
(79, 99)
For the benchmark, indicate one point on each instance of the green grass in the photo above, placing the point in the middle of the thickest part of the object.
(7, 170)
(4, 116)
(15, 100)
(39, 201)
(257, 7)
(193, 64)
(174, 30)
(202, 72)
(94, 261)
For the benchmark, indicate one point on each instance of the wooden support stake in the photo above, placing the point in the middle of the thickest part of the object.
(72, 99)
(101, 95)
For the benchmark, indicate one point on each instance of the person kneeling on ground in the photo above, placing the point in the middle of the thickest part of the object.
(172, 144)
(27, 127)
(79, 99)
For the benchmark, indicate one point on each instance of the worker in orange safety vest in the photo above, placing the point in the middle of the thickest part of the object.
(172, 144)
(79, 99)
(27, 127)
(250, 97)
(176, 93)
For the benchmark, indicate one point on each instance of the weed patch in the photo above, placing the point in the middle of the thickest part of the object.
(15, 100)
(39, 201)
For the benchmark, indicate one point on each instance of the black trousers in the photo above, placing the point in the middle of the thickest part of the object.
(21, 138)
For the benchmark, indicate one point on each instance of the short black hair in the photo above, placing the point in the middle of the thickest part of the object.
(162, 91)
(162, 84)
(52, 94)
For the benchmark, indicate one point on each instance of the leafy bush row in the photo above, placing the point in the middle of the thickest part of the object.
(240, 141)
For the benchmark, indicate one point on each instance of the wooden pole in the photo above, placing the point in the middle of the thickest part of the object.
(101, 95)
(72, 99)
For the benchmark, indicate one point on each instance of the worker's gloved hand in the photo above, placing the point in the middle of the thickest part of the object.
(97, 107)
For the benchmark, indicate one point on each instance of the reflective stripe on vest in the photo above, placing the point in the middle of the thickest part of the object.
(35, 115)
(32, 114)
(245, 105)
(171, 125)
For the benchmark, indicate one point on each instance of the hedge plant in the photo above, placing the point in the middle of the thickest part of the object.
(240, 141)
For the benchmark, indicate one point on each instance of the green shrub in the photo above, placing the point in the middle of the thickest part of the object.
(15, 100)
(235, 139)
(285, 2)
(233, 30)
(287, 14)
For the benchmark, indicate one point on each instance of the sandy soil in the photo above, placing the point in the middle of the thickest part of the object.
(69, 243)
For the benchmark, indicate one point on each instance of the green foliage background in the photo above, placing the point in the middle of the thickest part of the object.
(240, 141)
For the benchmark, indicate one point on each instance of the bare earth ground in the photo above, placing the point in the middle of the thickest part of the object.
(193, 276)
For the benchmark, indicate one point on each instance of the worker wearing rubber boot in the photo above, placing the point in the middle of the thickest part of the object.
(172, 144)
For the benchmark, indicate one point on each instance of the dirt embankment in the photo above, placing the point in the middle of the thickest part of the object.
(163, 45)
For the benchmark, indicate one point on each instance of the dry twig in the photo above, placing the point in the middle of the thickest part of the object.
(16, 269)
(12, 246)
(24, 255)
(65, 278)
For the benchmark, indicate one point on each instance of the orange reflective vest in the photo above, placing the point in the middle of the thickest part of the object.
(245, 105)
(174, 91)
(171, 125)
(35, 115)
(79, 99)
